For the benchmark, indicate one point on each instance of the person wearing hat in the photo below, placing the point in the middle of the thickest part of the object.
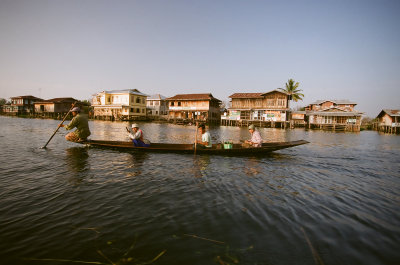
(137, 136)
(80, 122)
(256, 140)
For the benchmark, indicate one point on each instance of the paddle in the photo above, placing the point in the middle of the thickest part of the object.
(195, 139)
(73, 105)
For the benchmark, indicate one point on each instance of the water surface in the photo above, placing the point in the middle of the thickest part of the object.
(335, 200)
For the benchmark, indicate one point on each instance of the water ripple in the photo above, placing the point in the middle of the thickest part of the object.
(69, 201)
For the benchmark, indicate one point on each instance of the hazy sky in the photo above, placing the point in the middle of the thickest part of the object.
(336, 49)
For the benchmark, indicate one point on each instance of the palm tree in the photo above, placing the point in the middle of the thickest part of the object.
(292, 91)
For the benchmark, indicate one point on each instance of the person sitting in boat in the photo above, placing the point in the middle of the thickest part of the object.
(137, 136)
(256, 140)
(205, 137)
(80, 122)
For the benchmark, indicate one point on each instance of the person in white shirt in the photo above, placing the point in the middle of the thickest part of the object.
(205, 137)
(137, 136)
(256, 140)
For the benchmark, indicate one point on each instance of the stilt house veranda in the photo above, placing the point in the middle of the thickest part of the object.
(21, 105)
(388, 121)
(55, 107)
(272, 106)
(333, 115)
(194, 107)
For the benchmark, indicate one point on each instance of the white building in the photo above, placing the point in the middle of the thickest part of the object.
(125, 104)
(157, 105)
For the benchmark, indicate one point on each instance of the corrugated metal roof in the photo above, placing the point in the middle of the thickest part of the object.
(254, 95)
(247, 95)
(112, 106)
(123, 91)
(334, 113)
(392, 112)
(276, 90)
(26, 97)
(156, 97)
(58, 100)
(337, 101)
(254, 109)
(208, 96)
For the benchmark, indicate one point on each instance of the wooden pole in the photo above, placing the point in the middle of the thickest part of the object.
(195, 138)
(66, 115)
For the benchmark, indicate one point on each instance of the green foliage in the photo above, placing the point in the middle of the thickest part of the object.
(367, 121)
(3, 101)
(86, 102)
(292, 90)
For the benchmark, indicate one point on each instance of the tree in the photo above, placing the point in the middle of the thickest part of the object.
(3, 101)
(86, 102)
(225, 104)
(293, 91)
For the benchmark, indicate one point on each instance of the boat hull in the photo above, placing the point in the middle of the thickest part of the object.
(237, 149)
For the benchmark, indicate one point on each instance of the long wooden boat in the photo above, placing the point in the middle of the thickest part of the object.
(237, 149)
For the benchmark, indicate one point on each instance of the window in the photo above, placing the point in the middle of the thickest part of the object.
(131, 109)
(156, 112)
(179, 103)
(327, 119)
(281, 102)
(137, 110)
(246, 102)
(270, 102)
(341, 119)
(142, 110)
(235, 104)
(258, 115)
(137, 100)
(172, 103)
(245, 115)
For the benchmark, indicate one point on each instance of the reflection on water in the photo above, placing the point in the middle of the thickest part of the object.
(253, 167)
(77, 162)
(136, 162)
(200, 164)
(76, 158)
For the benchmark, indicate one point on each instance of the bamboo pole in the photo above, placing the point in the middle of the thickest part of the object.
(66, 115)
(195, 138)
